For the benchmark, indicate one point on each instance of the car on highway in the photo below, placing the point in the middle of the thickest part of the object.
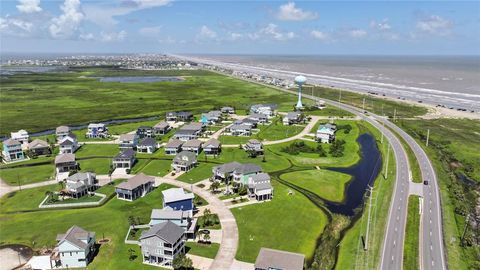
(425, 183)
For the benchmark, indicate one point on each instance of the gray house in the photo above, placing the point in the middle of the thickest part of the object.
(227, 110)
(179, 116)
(39, 147)
(135, 187)
(292, 118)
(74, 249)
(173, 147)
(181, 218)
(161, 128)
(147, 145)
(259, 187)
(259, 117)
(124, 159)
(162, 243)
(194, 146)
(61, 132)
(184, 161)
(212, 147)
(65, 163)
(128, 141)
(81, 183)
(254, 145)
(269, 259)
(189, 132)
(240, 130)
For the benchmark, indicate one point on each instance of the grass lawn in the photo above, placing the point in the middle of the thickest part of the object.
(199, 173)
(77, 89)
(227, 139)
(277, 131)
(351, 254)
(203, 250)
(37, 229)
(411, 247)
(86, 198)
(288, 222)
(329, 111)
(156, 167)
(27, 175)
(26, 199)
(89, 150)
(97, 165)
(327, 184)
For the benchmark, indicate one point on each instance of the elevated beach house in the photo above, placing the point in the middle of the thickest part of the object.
(179, 116)
(68, 144)
(96, 130)
(39, 147)
(21, 136)
(181, 218)
(266, 109)
(240, 130)
(161, 128)
(173, 147)
(254, 146)
(292, 118)
(269, 259)
(178, 199)
(74, 249)
(135, 187)
(145, 132)
(235, 171)
(184, 161)
(61, 132)
(189, 132)
(227, 110)
(162, 243)
(128, 141)
(259, 187)
(12, 150)
(125, 159)
(147, 145)
(194, 146)
(212, 147)
(65, 163)
(81, 183)
(326, 133)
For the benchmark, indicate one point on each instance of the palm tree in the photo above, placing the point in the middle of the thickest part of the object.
(206, 238)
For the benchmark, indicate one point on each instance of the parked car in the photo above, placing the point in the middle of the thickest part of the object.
(425, 183)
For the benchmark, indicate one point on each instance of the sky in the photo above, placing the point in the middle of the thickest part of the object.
(241, 27)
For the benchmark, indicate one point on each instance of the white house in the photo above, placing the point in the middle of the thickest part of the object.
(266, 109)
(74, 249)
(184, 161)
(128, 141)
(61, 132)
(292, 118)
(68, 144)
(147, 145)
(326, 133)
(21, 136)
(80, 183)
(259, 186)
(97, 130)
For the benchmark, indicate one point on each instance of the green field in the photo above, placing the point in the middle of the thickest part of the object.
(203, 250)
(32, 93)
(327, 184)
(288, 222)
(411, 248)
(27, 175)
(39, 229)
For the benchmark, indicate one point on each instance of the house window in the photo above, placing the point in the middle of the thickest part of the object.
(70, 253)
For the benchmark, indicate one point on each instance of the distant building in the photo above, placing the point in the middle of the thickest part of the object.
(212, 147)
(271, 259)
(211, 118)
(266, 109)
(80, 183)
(255, 146)
(292, 118)
(259, 118)
(162, 243)
(135, 187)
(21, 136)
(240, 130)
(74, 249)
(179, 116)
(178, 199)
(39, 147)
(173, 147)
(227, 110)
(235, 171)
(66, 163)
(145, 132)
(125, 159)
(61, 132)
(128, 141)
(68, 144)
(147, 145)
(12, 150)
(184, 161)
(97, 130)
(326, 133)
(161, 128)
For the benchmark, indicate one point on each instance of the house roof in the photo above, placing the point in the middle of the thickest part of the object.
(174, 143)
(212, 143)
(167, 231)
(134, 182)
(259, 177)
(291, 115)
(226, 108)
(68, 140)
(127, 153)
(257, 115)
(79, 176)
(96, 125)
(186, 157)
(62, 129)
(161, 125)
(168, 213)
(248, 168)
(63, 158)
(148, 142)
(278, 259)
(191, 126)
(75, 235)
(10, 142)
(37, 144)
(175, 195)
(127, 137)
(144, 127)
(227, 167)
(240, 127)
(253, 141)
(263, 186)
(192, 143)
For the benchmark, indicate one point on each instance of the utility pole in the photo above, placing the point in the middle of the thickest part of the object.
(368, 220)
(339, 95)
(363, 104)
(388, 156)
(382, 110)
(428, 136)
(383, 125)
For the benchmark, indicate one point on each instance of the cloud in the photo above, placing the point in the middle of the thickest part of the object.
(320, 35)
(86, 36)
(113, 36)
(29, 6)
(235, 36)
(15, 26)
(150, 31)
(380, 26)
(104, 14)
(65, 25)
(271, 31)
(288, 12)
(357, 33)
(206, 33)
(435, 25)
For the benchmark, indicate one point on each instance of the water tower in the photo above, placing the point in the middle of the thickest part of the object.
(300, 80)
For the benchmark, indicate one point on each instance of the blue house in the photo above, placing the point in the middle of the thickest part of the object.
(12, 150)
(178, 199)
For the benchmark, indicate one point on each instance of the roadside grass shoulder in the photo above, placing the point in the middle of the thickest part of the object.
(412, 245)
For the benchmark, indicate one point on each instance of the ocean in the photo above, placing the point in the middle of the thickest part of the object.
(453, 81)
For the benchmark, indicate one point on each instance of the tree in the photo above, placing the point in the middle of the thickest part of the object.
(214, 186)
(131, 254)
(321, 152)
(206, 238)
(182, 262)
(264, 159)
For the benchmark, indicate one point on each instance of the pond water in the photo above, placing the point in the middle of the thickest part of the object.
(363, 175)
(141, 79)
